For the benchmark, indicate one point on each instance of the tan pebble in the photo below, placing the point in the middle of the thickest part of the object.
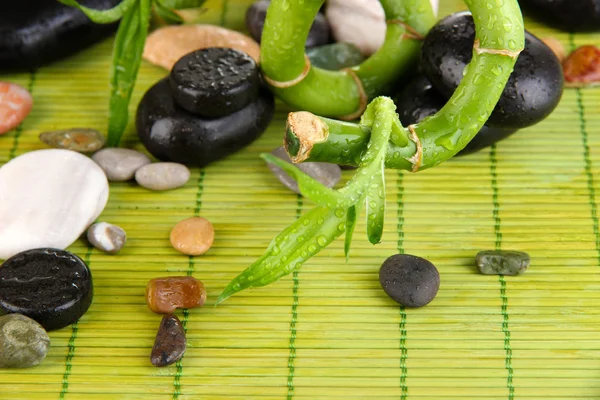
(166, 45)
(165, 295)
(193, 236)
(556, 46)
(15, 105)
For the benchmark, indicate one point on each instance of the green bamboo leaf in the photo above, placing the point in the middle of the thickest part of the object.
(103, 16)
(375, 203)
(309, 187)
(289, 250)
(166, 14)
(181, 4)
(127, 56)
(351, 217)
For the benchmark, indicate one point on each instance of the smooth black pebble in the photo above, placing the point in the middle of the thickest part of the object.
(214, 82)
(172, 134)
(318, 35)
(37, 32)
(170, 343)
(419, 99)
(569, 15)
(51, 286)
(409, 280)
(532, 92)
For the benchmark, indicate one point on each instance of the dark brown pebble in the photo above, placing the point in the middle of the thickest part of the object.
(170, 342)
(409, 280)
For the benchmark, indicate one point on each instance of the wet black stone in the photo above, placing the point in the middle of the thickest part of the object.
(37, 32)
(419, 99)
(172, 134)
(214, 82)
(569, 15)
(409, 280)
(318, 35)
(170, 343)
(533, 90)
(51, 286)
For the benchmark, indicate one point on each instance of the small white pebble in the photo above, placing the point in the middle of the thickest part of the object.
(162, 176)
(107, 237)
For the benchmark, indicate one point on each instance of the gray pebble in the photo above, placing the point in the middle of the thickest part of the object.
(162, 176)
(502, 262)
(23, 342)
(82, 140)
(327, 174)
(107, 237)
(409, 280)
(120, 164)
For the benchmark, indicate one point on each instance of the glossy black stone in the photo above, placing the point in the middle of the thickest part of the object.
(569, 15)
(318, 35)
(214, 82)
(51, 286)
(533, 90)
(409, 280)
(172, 134)
(419, 99)
(37, 32)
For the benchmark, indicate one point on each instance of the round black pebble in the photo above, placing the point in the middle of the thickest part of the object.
(411, 281)
(569, 15)
(214, 82)
(419, 100)
(318, 35)
(172, 134)
(51, 286)
(532, 92)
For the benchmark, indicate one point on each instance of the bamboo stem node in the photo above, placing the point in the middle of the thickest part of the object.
(417, 158)
(363, 99)
(293, 82)
(504, 52)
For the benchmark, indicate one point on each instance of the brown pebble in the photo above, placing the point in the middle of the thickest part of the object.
(169, 345)
(165, 295)
(166, 45)
(556, 46)
(193, 236)
(82, 140)
(582, 67)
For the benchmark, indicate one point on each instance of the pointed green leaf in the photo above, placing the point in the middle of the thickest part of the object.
(309, 187)
(166, 14)
(102, 16)
(375, 203)
(182, 4)
(350, 225)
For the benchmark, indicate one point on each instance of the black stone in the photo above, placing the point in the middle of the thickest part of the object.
(318, 35)
(569, 15)
(50, 286)
(170, 343)
(419, 99)
(214, 82)
(409, 280)
(533, 90)
(34, 33)
(172, 134)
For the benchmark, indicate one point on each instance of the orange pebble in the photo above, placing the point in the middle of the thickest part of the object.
(582, 67)
(193, 236)
(165, 295)
(15, 105)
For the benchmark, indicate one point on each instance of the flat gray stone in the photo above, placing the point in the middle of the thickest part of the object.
(120, 164)
(162, 176)
(82, 140)
(502, 262)
(326, 173)
(23, 342)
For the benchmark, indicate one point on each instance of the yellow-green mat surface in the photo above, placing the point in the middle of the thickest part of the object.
(329, 331)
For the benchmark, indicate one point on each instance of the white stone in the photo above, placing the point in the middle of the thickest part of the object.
(107, 237)
(48, 198)
(360, 22)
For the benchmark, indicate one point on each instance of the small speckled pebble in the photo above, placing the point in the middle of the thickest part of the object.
(120, 164)
(502, 262)
(162, 176)
(170, 343)
(82, 140)
(23, 342)
(327, 174)
(409, 280)
(107, 237)
(193, 236)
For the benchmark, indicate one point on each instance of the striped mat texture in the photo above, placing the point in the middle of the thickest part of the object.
(328, 331)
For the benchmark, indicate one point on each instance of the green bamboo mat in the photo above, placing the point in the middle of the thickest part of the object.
(329, 331)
